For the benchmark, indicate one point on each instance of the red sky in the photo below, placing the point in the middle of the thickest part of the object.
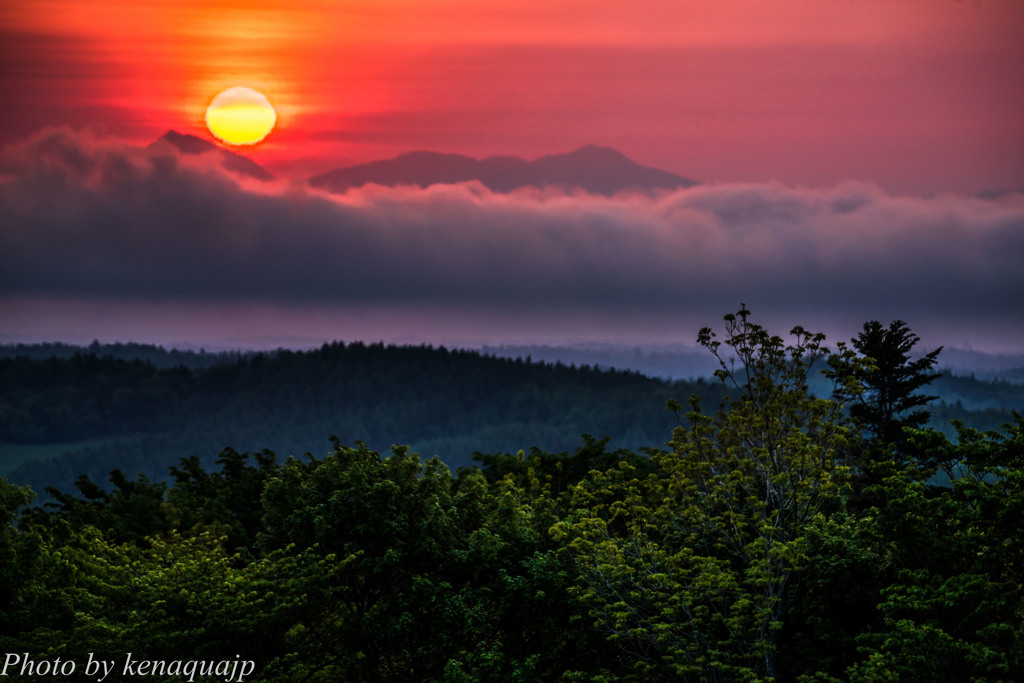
(915, 95)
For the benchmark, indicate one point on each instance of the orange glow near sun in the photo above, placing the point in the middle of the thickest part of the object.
(240, 116)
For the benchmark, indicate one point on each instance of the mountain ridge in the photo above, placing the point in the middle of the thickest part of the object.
(598, 170)
(594, 169)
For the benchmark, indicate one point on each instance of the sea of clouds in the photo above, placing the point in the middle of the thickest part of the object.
(86, 217)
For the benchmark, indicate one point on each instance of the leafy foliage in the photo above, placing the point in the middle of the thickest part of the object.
(689, 569)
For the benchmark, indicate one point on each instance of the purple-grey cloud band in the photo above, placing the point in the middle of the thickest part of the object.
(88, 218)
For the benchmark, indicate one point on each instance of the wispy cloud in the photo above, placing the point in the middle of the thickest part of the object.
(88, 218)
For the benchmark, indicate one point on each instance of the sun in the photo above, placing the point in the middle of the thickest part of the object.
(240, 116)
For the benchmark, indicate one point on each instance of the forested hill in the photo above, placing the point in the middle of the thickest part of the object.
(144, 416)
(67, 410)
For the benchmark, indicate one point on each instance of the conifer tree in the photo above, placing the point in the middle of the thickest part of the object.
(891, 380)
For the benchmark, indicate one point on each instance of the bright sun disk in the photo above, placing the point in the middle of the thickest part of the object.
(240, 116)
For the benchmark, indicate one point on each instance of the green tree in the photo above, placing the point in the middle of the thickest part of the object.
(952, 607)
(396, 573)
(227, 498)
(689, 570)
(131, 512)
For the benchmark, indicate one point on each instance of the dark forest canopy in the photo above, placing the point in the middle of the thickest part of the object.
(141, 408)
(445, 402)
(771, 537)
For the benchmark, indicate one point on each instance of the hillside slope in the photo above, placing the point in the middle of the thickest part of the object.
(448, 403)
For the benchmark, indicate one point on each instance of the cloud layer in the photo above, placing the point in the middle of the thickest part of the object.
(88, 218)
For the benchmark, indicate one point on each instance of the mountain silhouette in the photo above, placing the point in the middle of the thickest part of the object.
(236, 163)
(598, 170)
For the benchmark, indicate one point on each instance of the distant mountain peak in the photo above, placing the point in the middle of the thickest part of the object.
(190, 144)
(599, 170)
